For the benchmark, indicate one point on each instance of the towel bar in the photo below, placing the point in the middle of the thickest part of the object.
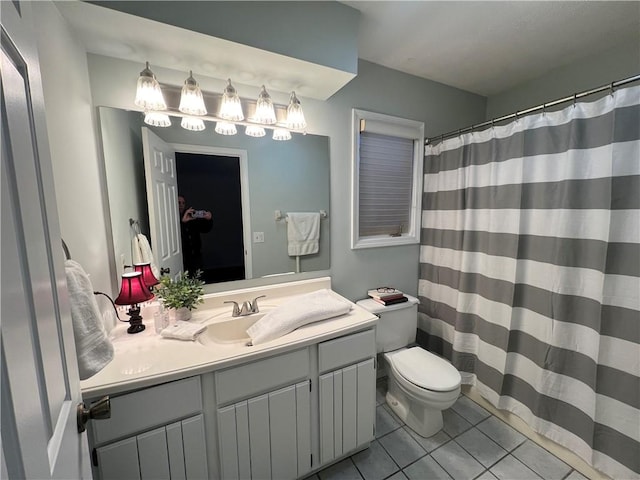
(283, 216)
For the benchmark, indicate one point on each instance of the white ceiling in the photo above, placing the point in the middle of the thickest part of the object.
(484, 47)
(487, 47)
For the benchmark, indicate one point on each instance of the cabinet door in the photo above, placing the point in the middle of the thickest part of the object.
(267, 437)
(176, 451)
(347, 409)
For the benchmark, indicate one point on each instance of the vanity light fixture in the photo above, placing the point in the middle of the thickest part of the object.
(226, 128)
(193, 112)
(192, 123)
(157, 119)
(281, 134)
(265, 112)
(295, 116)
(133, 291)
(254, 131)
(231, 107)
(191, 101)
(148, 93)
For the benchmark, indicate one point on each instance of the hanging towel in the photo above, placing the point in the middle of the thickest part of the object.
(303, 233)
(299, 311)
(141, 253)
(183, 330)
(93, 347)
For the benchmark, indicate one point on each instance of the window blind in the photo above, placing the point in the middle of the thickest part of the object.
(385, 184)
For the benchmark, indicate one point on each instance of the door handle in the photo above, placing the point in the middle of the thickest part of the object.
(99, 410)
(165, 270)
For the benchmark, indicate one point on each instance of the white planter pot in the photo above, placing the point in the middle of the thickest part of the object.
(181, 314)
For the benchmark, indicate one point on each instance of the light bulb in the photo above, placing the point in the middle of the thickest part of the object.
(254, 131)
(191, 101)
(265, 113)
(295, 116)
(193, 124)
(157, 119)
(148, 92)
(281, 134)
(231, 107)
(226, 128)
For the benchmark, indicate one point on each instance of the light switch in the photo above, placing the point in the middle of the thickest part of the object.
(258, 237)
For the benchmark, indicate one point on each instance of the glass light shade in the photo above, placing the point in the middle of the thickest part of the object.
(193, 124)
(231, 107)
(148, 277)
(281, 134)
(254, 131)
(157, 119)
(133, 290)
(295, 116)
(191, 101)
(226, 128)
(148, 93)
(265, 113)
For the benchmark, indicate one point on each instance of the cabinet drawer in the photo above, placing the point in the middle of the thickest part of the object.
(346, 350)
(251, 379)
(142, 410)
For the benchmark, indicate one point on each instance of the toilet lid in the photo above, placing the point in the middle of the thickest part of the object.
(426, 370)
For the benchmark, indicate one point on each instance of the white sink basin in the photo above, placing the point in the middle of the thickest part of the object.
(229, 331)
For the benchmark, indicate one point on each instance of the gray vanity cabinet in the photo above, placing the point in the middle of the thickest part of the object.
(347, 394)
(154, 433)
(268, 434)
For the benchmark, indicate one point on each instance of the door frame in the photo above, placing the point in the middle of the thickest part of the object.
(243, 160)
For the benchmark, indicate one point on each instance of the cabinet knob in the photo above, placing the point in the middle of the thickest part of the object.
(99, 410)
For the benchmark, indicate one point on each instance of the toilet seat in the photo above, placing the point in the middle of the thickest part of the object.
(425, 370)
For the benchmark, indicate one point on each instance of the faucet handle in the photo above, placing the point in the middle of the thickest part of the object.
(254, 304)
(236, 308)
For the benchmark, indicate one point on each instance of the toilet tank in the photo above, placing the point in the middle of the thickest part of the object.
(397, 325)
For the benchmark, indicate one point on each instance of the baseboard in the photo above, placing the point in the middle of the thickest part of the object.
(521, 426)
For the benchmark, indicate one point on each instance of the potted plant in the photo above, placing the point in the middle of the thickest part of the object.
(181, 294)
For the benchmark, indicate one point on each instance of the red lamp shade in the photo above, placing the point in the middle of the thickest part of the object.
(148, 277)
(133, 290)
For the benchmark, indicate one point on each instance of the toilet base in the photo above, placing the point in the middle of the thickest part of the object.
(425, 421)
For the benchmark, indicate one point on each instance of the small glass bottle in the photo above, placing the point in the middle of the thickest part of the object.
(160, 319)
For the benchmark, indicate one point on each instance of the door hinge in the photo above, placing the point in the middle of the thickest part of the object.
(309, 385)
(94, 457)
(311, 455)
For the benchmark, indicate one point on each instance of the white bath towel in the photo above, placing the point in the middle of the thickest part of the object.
(300, 310)
(93, 347)
(141, 253)
(303, 233)
(183, 330)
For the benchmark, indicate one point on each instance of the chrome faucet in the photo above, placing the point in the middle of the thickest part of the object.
(247, 307)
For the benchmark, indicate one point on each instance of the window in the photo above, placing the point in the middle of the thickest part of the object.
(387, 180)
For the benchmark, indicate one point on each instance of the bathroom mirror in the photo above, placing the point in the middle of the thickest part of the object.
(234, 177)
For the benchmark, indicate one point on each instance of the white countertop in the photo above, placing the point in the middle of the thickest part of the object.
(145, 359)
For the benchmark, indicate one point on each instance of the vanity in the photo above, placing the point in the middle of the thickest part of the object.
(217, 408)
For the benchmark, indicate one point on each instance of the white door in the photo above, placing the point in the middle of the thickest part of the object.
(162, 197)
(40, 387)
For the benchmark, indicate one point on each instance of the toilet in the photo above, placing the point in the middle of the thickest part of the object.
(421, 384)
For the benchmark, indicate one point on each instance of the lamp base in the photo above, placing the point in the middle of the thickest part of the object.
(136, 320)
(136, 328)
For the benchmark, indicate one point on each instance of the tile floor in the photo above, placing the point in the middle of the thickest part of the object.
(472, 445)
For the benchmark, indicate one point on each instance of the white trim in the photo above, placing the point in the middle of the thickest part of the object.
(394, 126)
(244, 191)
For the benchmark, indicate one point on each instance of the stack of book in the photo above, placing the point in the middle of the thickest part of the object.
(387, 296)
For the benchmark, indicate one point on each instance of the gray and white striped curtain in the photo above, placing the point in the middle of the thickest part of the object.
(530, 272)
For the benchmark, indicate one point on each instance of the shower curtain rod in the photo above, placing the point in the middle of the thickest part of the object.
(517, 114)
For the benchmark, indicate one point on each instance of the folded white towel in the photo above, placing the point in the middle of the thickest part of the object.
(93, 347)
(183, 330)
(299, 311)
(303, 233)
(141, 253)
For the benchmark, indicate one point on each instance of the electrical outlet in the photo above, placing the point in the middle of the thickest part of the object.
(258, 237)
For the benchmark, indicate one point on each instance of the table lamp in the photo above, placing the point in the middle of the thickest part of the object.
(133, 291)
(148, 277)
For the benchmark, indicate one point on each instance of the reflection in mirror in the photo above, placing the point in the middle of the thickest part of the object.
(241, 180)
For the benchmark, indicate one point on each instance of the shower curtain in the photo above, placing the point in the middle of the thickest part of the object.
(530, 272)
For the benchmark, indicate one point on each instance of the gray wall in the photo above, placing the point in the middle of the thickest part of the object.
(590, 72)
